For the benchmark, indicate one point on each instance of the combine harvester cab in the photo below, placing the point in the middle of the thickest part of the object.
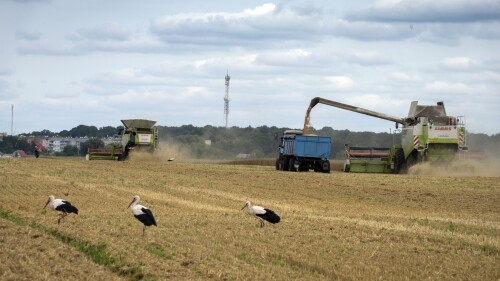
(137, 134)
(428, 134)
(299, 152)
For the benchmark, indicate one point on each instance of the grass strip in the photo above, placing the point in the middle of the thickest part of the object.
(97, 253)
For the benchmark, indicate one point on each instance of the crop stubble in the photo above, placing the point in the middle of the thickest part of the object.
(334, 226)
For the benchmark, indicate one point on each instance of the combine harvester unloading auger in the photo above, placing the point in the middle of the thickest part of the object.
(428, 135)
(137, 134)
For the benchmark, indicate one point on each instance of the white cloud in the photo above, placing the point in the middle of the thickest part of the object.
(108, 32)
(405, 77)
(368, 58)
(369, 31)
(459, 63)
(259, 26)
(448, 88)
(375, 102)
(342, 82)
(288, 57)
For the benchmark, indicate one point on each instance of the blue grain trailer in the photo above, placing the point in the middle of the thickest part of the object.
(303, 153)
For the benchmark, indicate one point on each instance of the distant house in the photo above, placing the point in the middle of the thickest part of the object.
(19, 153)
(58, 144)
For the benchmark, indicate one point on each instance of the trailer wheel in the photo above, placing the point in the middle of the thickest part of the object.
(280, 163)
(277, 164)
(326, 166)
(399, 161)
(317, 166)
(291, 165)
(285, 163)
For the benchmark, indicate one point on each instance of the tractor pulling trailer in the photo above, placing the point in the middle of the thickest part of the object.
(428, 135)
(298, 152)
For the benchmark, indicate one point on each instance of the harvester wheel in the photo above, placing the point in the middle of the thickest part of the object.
(399, 161)
(412, 159)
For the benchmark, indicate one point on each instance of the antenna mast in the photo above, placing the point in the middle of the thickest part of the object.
(226, 99)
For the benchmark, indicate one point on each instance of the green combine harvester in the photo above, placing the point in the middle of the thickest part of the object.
(137, 134)
(428, 135)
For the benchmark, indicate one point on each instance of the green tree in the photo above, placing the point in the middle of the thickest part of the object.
(70, 150)
(90, 143)
(107, 131)
(83, 131)
(11, 143)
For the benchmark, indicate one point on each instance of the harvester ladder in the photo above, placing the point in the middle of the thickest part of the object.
(156, 141)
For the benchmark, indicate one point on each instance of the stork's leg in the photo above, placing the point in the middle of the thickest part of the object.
(61, 217)
(261, 223)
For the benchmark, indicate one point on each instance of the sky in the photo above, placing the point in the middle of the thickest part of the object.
(65, 63)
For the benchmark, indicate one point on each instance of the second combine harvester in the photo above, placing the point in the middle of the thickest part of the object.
(428, 135)
(137, 134)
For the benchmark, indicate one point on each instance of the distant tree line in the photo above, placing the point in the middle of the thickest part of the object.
(211, 142)
(9, 144)
(79, 132)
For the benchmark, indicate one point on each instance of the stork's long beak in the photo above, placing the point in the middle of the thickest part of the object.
(244, 206)
(130, 203)
(46, 204)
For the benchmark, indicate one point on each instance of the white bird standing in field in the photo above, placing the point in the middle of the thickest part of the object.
(142, 213)
(61, 205)
(261, 213)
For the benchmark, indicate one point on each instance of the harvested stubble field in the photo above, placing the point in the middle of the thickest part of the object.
(334, 226)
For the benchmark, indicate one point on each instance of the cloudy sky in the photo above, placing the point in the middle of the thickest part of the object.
(64, 63)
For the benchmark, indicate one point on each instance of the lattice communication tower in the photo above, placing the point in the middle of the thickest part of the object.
(226, 99)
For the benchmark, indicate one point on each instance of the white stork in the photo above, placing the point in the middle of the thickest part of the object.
(142, 213)
(61, 205)
(261, 213)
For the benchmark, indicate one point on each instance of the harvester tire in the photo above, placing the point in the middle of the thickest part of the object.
(399, 161)
(412, 159)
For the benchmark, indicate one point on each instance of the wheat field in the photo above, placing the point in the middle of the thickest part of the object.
(336, 226)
